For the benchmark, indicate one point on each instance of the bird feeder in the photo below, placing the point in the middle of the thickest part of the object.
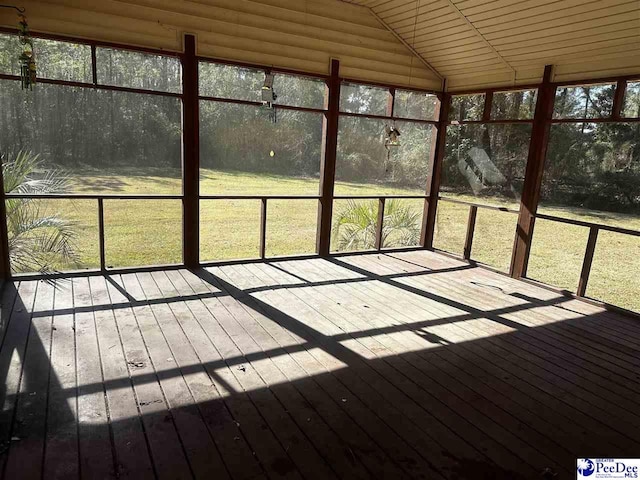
(392, 138)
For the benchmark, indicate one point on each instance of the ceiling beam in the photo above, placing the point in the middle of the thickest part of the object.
(479, 34)
(403, 41)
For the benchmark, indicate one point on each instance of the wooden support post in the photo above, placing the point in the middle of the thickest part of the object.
(94, 66)
(190, 155)
(391, 101)
(488, 102)
(438, 145)
(618, 100)
(103, 263)
(380, 223)
(5, 264)
(533, 176)
(471, 226)
(328, 161)
(263, 227)
(588, 260)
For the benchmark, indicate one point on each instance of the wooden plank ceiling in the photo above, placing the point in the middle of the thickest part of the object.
(473, 43)
(476, 43)
(296, 34)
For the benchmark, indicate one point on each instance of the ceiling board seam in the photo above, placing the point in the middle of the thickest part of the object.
(468, 22)
(406, 44)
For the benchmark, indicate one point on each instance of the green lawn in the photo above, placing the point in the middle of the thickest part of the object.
(557, 249)
(144, 232)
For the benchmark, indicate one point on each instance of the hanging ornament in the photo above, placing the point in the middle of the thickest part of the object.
(392, 138)
(27, 57)
(269, 96)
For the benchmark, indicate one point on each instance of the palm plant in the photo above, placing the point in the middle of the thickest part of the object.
(355, 225)
(38, 239)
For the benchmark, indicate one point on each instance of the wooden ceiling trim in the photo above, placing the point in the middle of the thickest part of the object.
(559, 53)
(462, 54)
(425, 13)
(533, 12)
(479, 8)
(568, 30)
(481, 36)
(549, 44)
(586, 20)
(411, 49)
(441, 44)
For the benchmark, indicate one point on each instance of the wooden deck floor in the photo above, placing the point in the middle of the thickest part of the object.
(378, 366)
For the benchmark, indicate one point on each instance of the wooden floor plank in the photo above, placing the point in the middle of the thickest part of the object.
(220, 363)
(364, 379)
(156, 328)
(396, 350)
(25, 455)
(342, 312)
(329, 373)
(562, 313)
(168, 454)
(96, 449)
(194, 353)
(399, 305)
(12, 361)
(301, 452)
(476, 328)
(61, 452)
(547, 369)
(536, 338)
(337, 447)
(363, 417)
(389, 365)
(333, 453)
(8, 295)
(132, 454)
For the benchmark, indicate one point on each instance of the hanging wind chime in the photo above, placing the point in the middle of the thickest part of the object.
(269, 96)
(27, 57)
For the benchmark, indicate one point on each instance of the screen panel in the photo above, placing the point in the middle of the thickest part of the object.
(98, 141)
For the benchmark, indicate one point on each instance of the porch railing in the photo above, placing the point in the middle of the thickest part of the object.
(594, 229)
(264, 199)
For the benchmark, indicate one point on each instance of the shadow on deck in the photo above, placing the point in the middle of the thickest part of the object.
(410, 365)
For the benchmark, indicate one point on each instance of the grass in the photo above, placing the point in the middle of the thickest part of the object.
(557, 249)
(144, 232)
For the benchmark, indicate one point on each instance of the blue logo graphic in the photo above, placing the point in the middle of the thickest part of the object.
(586, 467)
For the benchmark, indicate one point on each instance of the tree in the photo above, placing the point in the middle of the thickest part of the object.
(38, 240)
(354, 227)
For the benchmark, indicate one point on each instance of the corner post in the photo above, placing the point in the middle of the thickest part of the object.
(328, 161)
(438, 146)
(533, 176)
(190, 155)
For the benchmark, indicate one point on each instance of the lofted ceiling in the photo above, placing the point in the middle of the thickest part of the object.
(300, 35)
(476, 43)
(471, 43)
